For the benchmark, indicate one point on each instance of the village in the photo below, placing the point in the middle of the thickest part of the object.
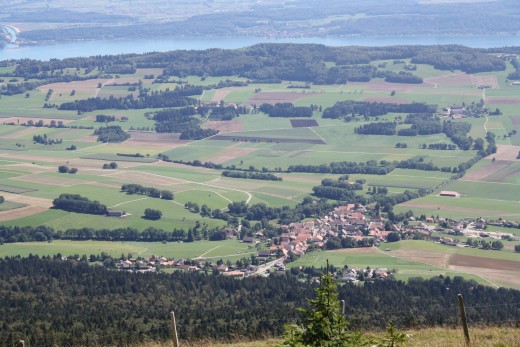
(348, 226)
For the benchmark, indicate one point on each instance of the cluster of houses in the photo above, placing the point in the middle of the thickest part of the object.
(344, 221)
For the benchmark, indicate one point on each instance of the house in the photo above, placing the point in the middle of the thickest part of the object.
(450, 194)
(115, 213)
(248, 239)
(264, 254)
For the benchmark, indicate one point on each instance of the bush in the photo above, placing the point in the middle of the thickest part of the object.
(73, 170)
(63, 169)
(517, 248)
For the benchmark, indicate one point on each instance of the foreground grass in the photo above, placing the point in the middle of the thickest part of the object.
(432, 337)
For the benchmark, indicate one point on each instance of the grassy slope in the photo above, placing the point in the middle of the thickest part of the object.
(432, 337)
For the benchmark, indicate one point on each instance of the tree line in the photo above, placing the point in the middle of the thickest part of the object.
(133, 188)
(43, 233)
(252, 175)
(351, 108)
(79, 204)
(286, 110)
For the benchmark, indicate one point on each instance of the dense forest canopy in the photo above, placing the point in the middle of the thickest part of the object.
(84, 301)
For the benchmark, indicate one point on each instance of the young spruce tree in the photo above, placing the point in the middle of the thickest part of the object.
(324, 324)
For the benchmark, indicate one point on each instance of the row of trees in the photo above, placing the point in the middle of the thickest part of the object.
(79, 204)
(252, 175)
(44, 140)
(156, 99)
(286, 110)
(133, 188)
(43, 233)
(342, 109)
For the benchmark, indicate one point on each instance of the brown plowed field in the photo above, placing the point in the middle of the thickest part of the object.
(484, 173)
(281, 97)
(506, 152)
(485, 263)
(36, 205)
(451, 80)
(79, 86)
(437, 259)
(230, 153)
(502, 100)
(225, 126)
(220, 94)
(488, 80)
(49, 180)
(490, 172)
(230, 137)
(33, 157)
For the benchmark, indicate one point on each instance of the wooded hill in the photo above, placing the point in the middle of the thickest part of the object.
(54, 302)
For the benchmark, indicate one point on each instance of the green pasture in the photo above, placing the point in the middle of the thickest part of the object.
(10, 205)
(212, 251)
(486, 190)
(462, 207)
(429, 246)
(184, 172)
(174, 216)
(405, 269)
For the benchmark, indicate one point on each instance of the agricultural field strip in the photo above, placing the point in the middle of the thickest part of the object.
(439, 267)
(428, 177)
(500, 200)
(249, 195)
(474, 181)
(355, 152)
(212, 191)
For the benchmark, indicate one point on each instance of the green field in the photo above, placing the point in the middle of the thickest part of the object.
(30, 169)
(213, 251)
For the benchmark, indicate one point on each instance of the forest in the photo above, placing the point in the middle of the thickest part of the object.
(88, 305)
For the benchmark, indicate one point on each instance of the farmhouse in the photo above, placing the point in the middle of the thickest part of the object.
(450, 194)
(115, 213)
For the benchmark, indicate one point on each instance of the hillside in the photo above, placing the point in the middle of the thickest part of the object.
(61, 20)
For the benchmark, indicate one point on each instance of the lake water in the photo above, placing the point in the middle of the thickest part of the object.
(90, 48)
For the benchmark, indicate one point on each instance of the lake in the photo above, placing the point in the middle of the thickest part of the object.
(106, 47)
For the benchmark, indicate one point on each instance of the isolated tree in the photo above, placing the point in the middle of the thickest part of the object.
(498, 245)
(2, 199)
(517, 248)
(113, 165)
(63, 169)
(324, 324)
